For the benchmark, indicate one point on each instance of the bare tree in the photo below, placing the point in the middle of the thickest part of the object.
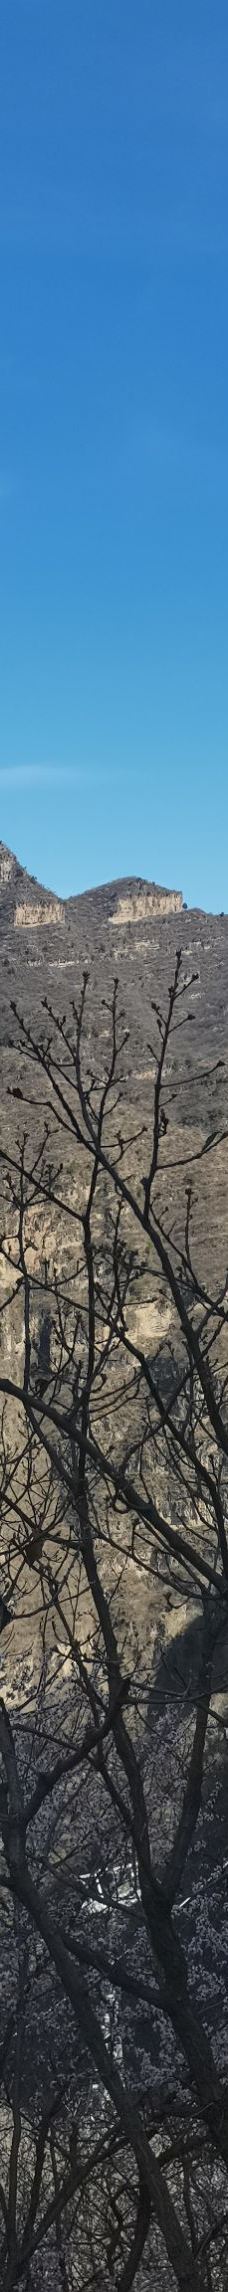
(114, 1504)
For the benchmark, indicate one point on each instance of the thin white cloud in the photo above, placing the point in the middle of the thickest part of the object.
(56, 775)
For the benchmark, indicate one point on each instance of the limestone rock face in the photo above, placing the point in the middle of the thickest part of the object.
(23, 902)
(34, 917)
(146, 899)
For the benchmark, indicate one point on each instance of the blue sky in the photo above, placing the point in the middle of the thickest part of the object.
(114, 441)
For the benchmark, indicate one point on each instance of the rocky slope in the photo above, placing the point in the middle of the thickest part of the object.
(131, 929)
(136, 926)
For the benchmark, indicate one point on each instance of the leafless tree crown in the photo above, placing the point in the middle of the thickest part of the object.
(113, 1714)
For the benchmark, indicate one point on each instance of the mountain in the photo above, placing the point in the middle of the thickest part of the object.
(136, 925)
(132, 929)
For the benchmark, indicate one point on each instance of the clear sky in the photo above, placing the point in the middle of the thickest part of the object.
(114, 441)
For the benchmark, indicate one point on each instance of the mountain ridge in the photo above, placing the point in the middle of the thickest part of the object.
(16, 876)
(14, 872)
(15, 880)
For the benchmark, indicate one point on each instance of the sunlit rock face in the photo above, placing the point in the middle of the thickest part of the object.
(146, 900)
(24, 904)
(38, 916)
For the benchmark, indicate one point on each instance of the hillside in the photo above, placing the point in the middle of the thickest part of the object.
(136, 926)
(130, 929)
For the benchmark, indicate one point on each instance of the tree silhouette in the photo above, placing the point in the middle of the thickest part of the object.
(114, 1503)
